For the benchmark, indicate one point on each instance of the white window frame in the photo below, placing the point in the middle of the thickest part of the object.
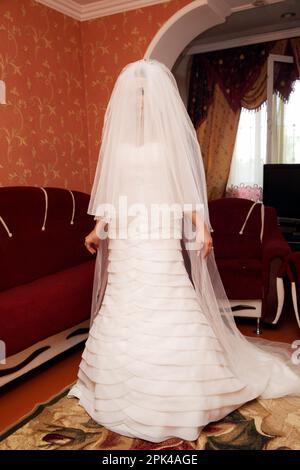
(270, 91)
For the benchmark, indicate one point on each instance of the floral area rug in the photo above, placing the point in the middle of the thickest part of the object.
(62, 423)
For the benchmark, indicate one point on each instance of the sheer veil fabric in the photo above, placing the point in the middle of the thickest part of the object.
(145, 110)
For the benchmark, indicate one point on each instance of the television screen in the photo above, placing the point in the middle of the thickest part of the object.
(281, 188)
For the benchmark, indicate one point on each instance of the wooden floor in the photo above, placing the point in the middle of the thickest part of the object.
(20, 397)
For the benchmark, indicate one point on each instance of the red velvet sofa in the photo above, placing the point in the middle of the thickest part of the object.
(46, 275)
(250, 253)
(292, 267)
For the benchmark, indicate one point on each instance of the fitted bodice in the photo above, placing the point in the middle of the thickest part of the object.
(144, 182)
(140, 169)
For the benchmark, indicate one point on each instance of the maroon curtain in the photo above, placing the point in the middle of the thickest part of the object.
(235, 70)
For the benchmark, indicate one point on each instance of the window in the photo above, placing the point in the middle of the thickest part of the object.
(252, 149)
(246, 171)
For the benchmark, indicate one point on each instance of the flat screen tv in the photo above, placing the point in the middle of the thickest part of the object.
(281, 189)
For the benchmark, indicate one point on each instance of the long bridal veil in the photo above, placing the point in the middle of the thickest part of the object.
(145, 109)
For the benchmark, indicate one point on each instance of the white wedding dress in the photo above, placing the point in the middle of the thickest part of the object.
(152, 366)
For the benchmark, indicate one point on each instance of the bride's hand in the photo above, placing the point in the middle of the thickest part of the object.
(207, 243)
(92, 241)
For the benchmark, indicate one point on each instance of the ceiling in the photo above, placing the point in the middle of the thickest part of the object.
(231, 3)
(242, 3)
(250, 22)
(89, 9)
(85, 2)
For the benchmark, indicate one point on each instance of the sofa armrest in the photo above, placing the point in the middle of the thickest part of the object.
(275, 252)
(276, 247)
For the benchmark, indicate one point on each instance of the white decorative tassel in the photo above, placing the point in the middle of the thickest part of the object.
(2, 92)
(46, 208)
(262, 211)
(247, 217)
(73, 211)
(6, 227)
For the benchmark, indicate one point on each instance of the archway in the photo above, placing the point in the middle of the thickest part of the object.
(185, 25)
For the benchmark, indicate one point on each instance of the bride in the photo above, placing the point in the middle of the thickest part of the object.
(164, 356)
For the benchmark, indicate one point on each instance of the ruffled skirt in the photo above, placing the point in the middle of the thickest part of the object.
(152, 367)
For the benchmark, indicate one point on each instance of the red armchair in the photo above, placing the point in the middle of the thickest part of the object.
(250, 253)
(46, 275)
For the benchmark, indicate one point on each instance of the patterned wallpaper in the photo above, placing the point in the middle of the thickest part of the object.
(43, 128)
(59, 74)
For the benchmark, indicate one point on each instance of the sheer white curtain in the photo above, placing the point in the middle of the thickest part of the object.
(246, 171)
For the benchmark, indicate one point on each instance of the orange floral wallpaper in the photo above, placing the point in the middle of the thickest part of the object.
(59, 74)
(43, 127)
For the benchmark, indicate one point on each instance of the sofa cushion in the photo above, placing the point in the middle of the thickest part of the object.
(228, 216)
(242, 278)
(34, 311)
(31, 253)
(240, 246)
